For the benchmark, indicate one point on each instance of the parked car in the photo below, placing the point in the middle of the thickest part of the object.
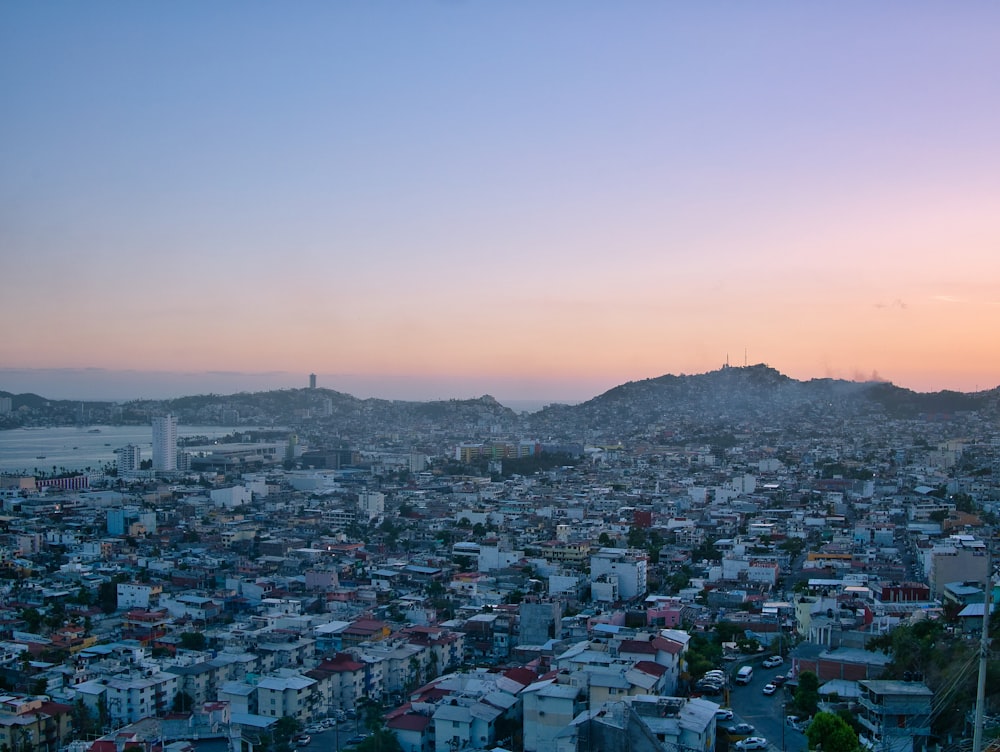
(740, 729)
(796, 722)
(752, 742)
(303, 740)
(357, 739)
(773, 661)
(708, 688)
(779, 679)
(770, 689)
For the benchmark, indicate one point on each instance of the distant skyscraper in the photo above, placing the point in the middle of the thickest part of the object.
(312, 380)
(165, 443)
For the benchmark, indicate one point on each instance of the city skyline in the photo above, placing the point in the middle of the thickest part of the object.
(442, 200)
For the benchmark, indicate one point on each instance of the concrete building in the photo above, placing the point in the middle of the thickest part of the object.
(628, 566)
(342, 681)
(896, 715)
(645, 723)
(289, 694)
(129, 459)
(138, 595)
(548, 709)
(539, 622)
(33, 723)
(130, 521)
(371, 505)
(128, 699)
(959, 558)
(165, 443)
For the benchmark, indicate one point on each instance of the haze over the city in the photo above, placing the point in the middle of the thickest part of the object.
(534, 200)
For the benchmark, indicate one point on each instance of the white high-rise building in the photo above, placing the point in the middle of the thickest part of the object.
(165, 443)
(371, 505)
(129, 458)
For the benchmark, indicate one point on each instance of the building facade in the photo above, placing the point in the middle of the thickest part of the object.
(165, 443)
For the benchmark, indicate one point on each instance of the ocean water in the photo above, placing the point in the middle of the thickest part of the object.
(76, 448)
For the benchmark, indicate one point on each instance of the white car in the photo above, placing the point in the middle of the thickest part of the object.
(774, 660)
(723, 714)
(752, 742)
(770, 689)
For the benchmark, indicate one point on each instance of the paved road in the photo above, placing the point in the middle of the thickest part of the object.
(334, 739)
(765, 713)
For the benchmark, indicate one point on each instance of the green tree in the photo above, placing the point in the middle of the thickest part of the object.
(727, 631)
(806, 695)
(193, 640)
(55, 615)
(636, 537)
(83, 721)
(32, 618)
(284, 730)
(107, 597)
(183, 702)
(381, 740)
(703, 654)
(833, 733)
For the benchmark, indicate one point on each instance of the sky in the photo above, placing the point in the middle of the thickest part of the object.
(535, 200)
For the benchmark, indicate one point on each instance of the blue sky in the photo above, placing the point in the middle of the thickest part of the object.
(548, 198)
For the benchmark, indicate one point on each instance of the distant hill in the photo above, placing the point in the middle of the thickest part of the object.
(755, 395)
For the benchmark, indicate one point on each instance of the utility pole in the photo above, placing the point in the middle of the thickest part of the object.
(984, 648)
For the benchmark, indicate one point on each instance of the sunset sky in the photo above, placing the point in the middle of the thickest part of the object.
(536, 200)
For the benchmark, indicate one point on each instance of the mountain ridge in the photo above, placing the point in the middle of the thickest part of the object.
(730, 394)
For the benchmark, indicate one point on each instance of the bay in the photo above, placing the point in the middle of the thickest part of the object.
(79, 447)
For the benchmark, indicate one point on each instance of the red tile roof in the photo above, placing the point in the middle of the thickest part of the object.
(410, 722)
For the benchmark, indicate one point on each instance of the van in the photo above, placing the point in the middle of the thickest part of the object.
(744, 675)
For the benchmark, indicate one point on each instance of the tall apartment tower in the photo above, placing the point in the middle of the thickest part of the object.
(165, 443)
(129, 458)
(312, 380)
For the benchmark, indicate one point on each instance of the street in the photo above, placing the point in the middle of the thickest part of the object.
(334, 739)
(766, 714)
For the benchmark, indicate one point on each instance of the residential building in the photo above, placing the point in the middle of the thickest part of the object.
(628, 566)
(896, 715)
(289, 695)
(165, 443)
